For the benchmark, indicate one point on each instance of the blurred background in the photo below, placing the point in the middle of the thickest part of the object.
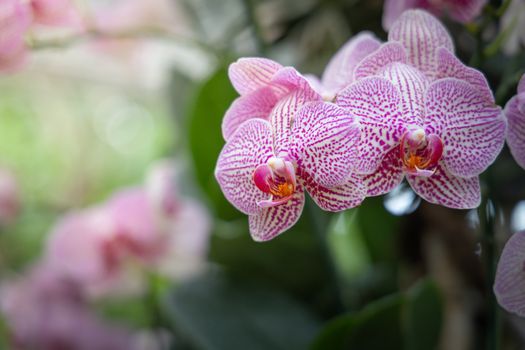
(98, 105)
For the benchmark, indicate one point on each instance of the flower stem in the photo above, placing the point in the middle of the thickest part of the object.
(488, 215)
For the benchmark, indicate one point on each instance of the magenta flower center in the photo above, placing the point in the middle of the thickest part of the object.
(419, 152)
(276, 178)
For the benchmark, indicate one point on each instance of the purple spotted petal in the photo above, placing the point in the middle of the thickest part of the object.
(387, 177)
(516, 131)
(249, 146)
(283, 114)
(472, 129)
(509, 285)
(375, 101)
(258, 104)
(252, 73)
(422, 35)
(270, 222)
(448, 190)
(449, 66)
(388, 53)
(348, 195)
(340, 70)
(324, 142)
(412, 85)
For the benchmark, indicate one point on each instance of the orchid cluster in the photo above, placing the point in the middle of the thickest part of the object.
(107, 250)
(18, 17)
(382, 112)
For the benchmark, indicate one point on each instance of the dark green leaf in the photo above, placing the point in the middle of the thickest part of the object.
(205, 138)
(215, 311)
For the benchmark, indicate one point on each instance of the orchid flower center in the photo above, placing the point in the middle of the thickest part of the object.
(276, 178)
(420, 152)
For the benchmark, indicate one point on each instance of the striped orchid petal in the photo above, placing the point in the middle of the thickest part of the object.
(325, 140)
(412, 85)
(449, 66)
(516, 131)
(272, 221)
(348, 195)
(448, 190)
(251, 73)
(258, 104)
(509, 285)
(289, 79)
(392, 9)
(521, 95)
(388, 53)
(249, 147)
(375, 101)
(422, 35)
(472, 128)
(340, 70)
(387, 177)
(283, 115)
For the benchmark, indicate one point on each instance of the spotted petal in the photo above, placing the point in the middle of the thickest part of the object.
(509, 285)
(270, 222)
(340, 70)
(249, 146)
(258, 104)
(422, 35)
(412, 85)
(472, 129)
(387, 177)
(388, 53)
(348, 195)
(252, 73)
(283, 115)
(375, 101)
(448, 190)
(449, 66)
(516, 131)
(324, 142)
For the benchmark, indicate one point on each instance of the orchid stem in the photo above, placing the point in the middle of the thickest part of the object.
(488, 215)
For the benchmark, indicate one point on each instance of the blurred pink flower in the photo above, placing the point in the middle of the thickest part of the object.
(55, 13)
(460, 10)
(9, 197)
(15, 19)
(513, 25)
(509, 285)
(109, 246)
(515, 112)
(46, 311)
(424, 115)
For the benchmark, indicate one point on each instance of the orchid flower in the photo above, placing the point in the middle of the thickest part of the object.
(55, 13)
(462, 11)
(9, 197)
(15, 19)
(266, 165)
(262, 82)
(509, 284)
(515, 112)
(424, 115)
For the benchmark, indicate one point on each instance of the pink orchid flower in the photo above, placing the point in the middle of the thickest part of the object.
(265, 166)
(463, 11)
(15, 19)
(509, 285)
(424, 115)
(55, 13)
(515, 112)
(262, 82)
(44, 310)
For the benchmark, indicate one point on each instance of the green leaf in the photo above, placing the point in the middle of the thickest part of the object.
(216, 311)
(423, 316)
(376, 326)
(205, 138)
(409, 321)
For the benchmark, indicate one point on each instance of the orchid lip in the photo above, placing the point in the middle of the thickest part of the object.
(420, 153)
(276, 178)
